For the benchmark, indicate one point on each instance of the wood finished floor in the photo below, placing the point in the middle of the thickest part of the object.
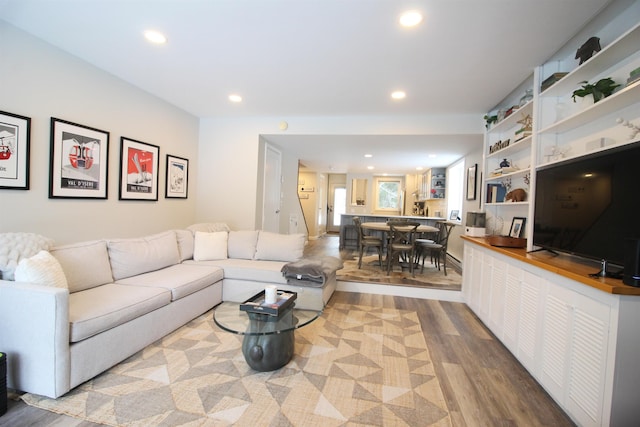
(483, 384)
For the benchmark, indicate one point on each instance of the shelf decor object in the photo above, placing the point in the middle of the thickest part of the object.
(600, 90)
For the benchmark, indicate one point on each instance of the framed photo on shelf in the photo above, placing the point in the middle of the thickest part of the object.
(454, 215)
(177, 178)
(472, 174)
(517, 227)
(15, 137)
(78, 161)
(138, 170)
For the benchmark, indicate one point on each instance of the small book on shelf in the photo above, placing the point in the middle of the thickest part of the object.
(257, 303)
(495, 193)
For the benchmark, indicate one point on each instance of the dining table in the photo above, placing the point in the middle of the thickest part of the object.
(383, 226)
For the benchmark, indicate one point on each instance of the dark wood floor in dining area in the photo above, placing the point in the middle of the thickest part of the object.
(483, 384)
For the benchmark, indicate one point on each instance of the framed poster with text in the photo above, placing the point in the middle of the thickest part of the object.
(15, 137)
(138, 170)
(177, 178)
(78, 161)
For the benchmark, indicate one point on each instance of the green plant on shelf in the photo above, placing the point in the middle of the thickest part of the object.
(600, 90)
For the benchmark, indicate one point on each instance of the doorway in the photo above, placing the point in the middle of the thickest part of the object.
(337, 202)
(272, 189)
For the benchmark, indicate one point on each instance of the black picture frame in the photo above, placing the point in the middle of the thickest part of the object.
(517, 226)
(177, 185)
(139, 170)
(15, 140)
(453, 216)
(78, 161)
(472, 175)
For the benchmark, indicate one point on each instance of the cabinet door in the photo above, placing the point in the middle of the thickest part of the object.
(556, 341)
(485, 288)
(475, 278)
(467, 262)
(529, 322)
(512, 307)
(588, 360)
(497, 284)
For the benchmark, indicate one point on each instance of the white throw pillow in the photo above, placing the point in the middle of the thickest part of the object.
(41, 269)
(279, 247)
(242, 244)
(210, 246)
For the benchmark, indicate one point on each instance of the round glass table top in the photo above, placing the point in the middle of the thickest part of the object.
(229, 317)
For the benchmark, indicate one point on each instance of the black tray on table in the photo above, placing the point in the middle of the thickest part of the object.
(256, 303)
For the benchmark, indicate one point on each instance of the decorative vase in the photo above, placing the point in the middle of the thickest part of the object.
(504, 163)
(528, 96)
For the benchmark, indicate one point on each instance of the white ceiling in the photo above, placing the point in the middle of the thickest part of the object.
(313, 57)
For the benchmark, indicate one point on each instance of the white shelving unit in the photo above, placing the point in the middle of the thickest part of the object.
(562, 129)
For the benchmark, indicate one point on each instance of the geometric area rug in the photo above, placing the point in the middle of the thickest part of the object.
(354, 366)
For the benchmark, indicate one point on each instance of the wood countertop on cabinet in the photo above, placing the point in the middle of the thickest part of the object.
(563, 265)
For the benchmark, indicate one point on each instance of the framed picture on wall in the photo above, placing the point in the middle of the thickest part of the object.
(472, 173)
(15, 137)
(138, 170)
(78, 161)
(177, 178)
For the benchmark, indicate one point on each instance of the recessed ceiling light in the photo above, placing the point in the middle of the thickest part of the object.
(399, 94)
(235, 98)
(368, 155)
(419, 168)
(410, 18)
(433, 156)
(370, 167)
(155, 37)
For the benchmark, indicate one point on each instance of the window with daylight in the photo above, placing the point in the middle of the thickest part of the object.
(388, 194)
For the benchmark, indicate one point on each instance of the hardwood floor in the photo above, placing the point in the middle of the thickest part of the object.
(483, 384)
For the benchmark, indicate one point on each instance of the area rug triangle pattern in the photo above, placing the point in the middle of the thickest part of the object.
(354, 366)
(370, 272)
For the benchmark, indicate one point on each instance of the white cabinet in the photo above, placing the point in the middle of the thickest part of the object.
(576, 341)
(574, 352)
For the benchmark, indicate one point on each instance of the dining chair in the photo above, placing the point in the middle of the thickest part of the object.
(436, 249)
(365, 242)
(402, 238)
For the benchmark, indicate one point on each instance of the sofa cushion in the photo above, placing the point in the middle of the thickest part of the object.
(104, 307)
(180, 279)
(209, 227)
(41, 269)
(130, 257)
(247, 269)
(85, 264)
(16, 246)
(209, 246)
(279, 247)
(242, 244)
(185, 244)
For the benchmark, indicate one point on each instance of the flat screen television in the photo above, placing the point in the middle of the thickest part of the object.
(588, 206)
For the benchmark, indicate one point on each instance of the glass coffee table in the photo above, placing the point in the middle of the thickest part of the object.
(269, 341)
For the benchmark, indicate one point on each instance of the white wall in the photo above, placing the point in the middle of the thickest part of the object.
(40, 81)
(230, 147)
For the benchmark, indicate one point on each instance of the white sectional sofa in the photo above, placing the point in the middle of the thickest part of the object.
(78, 309)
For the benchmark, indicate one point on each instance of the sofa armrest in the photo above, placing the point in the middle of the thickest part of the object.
(34, 333)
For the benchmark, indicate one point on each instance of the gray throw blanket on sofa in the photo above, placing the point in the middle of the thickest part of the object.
(311, 271)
